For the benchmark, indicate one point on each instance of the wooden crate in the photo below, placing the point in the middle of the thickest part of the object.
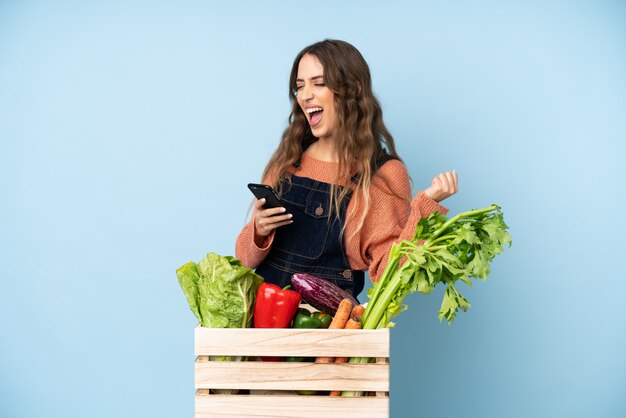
(282, 378)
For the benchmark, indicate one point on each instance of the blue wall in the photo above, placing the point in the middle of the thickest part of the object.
(128, 133)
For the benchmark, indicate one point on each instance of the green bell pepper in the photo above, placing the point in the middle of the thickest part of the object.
(302, 320)
(325, 318)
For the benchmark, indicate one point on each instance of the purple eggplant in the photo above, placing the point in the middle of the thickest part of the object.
(319, 293)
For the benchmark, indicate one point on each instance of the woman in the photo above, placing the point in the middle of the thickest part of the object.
(346, 193)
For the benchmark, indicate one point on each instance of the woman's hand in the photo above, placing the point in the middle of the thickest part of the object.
(443, 186)
(267, 220)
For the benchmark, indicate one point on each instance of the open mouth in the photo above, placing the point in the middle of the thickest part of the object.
(315, 115)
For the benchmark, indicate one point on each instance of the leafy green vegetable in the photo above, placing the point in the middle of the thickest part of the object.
(220, 291)
(441, 251)
(189, 277)
(449, 250)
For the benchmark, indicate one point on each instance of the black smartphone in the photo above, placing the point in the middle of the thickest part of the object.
(263, 191)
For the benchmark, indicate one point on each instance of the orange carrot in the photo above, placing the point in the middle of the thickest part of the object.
(351, 324)
(342, 315)
(357, 313)
(339, 321)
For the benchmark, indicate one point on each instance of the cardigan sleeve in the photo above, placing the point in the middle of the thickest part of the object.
(392, 217)
(250, 247)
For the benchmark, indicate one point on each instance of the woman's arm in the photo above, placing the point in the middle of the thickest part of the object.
(255, 239)
(250, 247)
(392, 217)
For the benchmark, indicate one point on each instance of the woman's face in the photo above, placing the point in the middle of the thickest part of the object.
(315, 99)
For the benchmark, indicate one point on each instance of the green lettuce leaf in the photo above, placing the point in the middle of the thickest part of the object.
(189, 277)
(220, 291)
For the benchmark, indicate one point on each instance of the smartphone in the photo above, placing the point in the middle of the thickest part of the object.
(263, 191)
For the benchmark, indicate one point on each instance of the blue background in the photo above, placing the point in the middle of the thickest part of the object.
(128, 133)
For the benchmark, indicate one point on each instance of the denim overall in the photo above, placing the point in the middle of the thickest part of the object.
(313, 242)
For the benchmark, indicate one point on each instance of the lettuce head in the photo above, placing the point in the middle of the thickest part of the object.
(220, 291)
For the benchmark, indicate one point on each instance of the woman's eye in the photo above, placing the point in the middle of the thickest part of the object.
(320, 84)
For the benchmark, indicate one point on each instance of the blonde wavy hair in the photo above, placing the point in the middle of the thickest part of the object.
(362, 138)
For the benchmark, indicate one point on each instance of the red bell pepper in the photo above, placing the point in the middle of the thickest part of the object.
(275, 308)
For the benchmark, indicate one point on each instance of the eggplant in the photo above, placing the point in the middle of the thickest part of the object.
(319, 293)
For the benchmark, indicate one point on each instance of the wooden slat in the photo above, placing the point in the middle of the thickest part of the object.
(383, 361)
(276, 406)
(291, 376)
(291, 342)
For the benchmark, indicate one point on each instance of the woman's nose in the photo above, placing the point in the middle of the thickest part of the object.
(307, 92)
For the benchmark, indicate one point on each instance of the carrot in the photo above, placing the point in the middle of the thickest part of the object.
(357, 313)
(342, 315)
(339, 321)
(350, 324)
